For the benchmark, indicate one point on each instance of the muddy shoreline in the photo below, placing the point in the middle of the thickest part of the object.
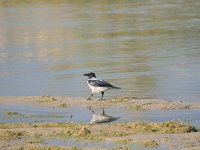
(138, 135)
(131, 102)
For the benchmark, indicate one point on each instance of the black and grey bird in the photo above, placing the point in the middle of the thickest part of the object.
(101, 118)
(98, 85)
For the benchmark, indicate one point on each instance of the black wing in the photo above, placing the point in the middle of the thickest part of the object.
(100, 83)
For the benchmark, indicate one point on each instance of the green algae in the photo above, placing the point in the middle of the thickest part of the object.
(35, 133)
(12, 114)
(163, 127)
(123, 141)
(120, 99)
(46, 99)
(142, 143)
(18, 115)
(115, 129)
(40, 131)
(123, 129)
(134, 107)
(64, 105)
(12, 135)
(148, 143)
(176, 127)
(36, 147)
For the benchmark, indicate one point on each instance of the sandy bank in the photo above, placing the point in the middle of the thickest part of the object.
(139, 134)
(168, 135)
(130, 102)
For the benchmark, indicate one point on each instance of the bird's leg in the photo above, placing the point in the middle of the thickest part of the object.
(90, 108)
(90, 97)
(103, 111)
(102, 93)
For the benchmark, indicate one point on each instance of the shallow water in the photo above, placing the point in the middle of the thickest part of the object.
(46, 114)
(149, 48)
(100, 144)
(78, 143)
(72, 114)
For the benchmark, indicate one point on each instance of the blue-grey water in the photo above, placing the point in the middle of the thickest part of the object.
(149, 48)
(72, 114)
(99, 144)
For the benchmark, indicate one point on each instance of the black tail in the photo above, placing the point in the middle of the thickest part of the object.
(115, 87)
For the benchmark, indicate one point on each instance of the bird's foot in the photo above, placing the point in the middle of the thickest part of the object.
(89, 98)
(102, 99)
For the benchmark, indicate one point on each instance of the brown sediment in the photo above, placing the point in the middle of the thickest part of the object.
(134, 106)
(129, 102)
(145, 134)
(35, 133)
(148, 143)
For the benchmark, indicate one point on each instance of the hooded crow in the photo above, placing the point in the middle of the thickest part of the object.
(98, 85)
(101, 118)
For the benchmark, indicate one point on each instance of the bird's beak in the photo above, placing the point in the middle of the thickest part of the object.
(86, 74)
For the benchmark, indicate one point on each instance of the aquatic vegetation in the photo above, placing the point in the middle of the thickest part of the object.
(63, 105)
(123, 141)
(8, 135)
(176, 127)
(148, 143)
(18, 115)
(120, 99)
(134, 106)
(100, 132)
(46, 99)
(37, 147)
(163, 127)
(35, 133)
(12, 114)
(33, 141)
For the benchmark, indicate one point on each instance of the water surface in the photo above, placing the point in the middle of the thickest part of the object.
(99, 144)
(83, 115)
(149, 48)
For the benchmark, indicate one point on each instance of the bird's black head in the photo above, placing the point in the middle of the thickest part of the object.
(90, 75)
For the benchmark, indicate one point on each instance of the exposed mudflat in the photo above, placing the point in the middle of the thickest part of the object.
(131, 102)
(45, 122)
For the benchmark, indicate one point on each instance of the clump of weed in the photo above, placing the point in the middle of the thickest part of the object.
(176, 127)
(11, 135)
(18, 115)
(123, 141)
(120, 99)
(63, 105)
(93, 132)
(37, 147)
(134, 107)
(12, 114)
(83, 132)
(47, 99)
(148, 143)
